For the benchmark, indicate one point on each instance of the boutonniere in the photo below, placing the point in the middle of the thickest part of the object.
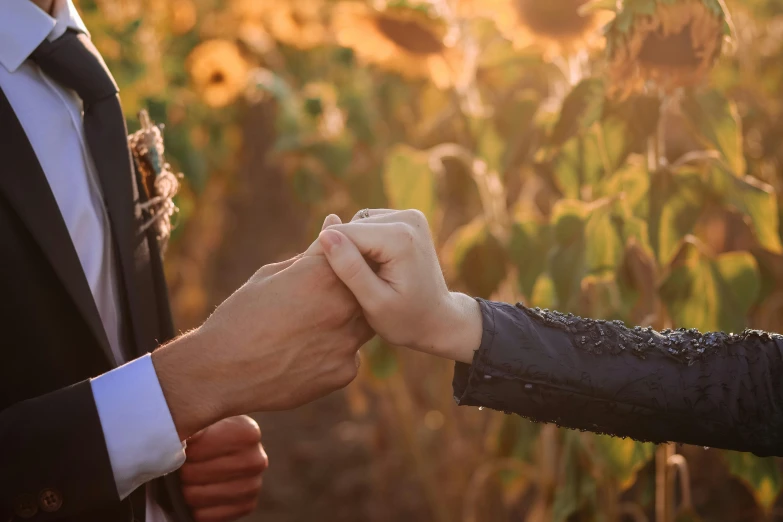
(159, 183)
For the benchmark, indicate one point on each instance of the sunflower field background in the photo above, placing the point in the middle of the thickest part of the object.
(617, 159)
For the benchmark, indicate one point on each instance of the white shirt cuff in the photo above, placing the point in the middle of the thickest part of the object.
(137, 426)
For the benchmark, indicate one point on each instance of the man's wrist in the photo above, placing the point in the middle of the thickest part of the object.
(458, 335)
(183, 370)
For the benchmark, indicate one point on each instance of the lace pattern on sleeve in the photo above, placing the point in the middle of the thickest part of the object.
(599, 336)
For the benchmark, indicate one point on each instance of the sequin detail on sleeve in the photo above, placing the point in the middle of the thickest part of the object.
(599, 336)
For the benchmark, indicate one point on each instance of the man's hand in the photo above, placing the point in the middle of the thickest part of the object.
(221, 478)
(288, 336)
(406, 300)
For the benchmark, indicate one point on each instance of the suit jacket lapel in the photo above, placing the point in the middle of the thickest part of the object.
(26, 189)
(112, 158)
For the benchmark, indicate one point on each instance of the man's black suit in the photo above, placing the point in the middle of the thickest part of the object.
(53, 459)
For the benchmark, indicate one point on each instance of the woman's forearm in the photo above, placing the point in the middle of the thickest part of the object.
(712, 389)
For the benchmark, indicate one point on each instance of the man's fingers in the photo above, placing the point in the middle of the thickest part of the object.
(352, 269)
(223, 493)
(273, 268)
(315, 249)
(331, 219)
(373, 212)
(231, 435)
(225, 513)
(248, 463)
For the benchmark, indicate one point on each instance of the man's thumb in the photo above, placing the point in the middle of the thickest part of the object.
(352, 269)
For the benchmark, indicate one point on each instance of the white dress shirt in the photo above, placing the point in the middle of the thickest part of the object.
(140, 436)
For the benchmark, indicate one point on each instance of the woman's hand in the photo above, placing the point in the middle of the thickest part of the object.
(406, 300)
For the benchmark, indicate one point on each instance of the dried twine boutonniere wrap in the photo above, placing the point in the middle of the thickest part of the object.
(159, 183)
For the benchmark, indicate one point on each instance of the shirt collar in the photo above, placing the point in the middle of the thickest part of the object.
(24, 26)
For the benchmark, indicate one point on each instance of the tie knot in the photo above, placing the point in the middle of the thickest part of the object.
(74, 62)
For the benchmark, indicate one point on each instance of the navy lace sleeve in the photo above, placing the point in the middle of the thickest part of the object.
(712, 389)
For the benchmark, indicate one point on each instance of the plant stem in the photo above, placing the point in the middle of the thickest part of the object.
(664, 484)
(664, 476)
(403, 404)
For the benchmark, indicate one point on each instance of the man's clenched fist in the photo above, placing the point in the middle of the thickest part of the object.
(221, 478)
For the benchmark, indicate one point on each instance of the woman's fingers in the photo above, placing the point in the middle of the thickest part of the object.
(350, 266)
(377, 216)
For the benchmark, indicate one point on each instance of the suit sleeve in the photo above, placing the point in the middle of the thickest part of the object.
(53, 459)
(88, 445)
(713, 389)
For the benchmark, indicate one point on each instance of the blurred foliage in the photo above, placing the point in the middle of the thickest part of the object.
(614, 159)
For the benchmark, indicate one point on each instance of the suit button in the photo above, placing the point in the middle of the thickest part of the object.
(26, 507)
(50, 500)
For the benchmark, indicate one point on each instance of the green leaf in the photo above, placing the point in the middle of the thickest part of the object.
(568, 219)
(528, 247)
(627, 125)
(642, 7)
(603, 238)
(566, 268)
(621, 458)
(676, 201)
(578, 491)
(408, 181)
(636, 229)
(711, 294)
(581, 108)
(566, 260)
(717, 123)
(381, 357)
(543, 294)
(632, 183)
(479, 258)
(589, 157)
(751, 197)
(576, 165)
(307, 185)
(760, 474)
(740, 274)
(624, 21)
(515, 122)
(518, 437)
(336, 155)
(491, 148)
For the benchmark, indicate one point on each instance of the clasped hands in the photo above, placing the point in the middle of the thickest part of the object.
(292, 333)
(388, 262)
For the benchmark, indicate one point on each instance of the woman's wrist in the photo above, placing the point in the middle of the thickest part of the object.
(458, 334)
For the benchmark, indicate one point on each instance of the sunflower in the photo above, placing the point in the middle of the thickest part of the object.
(120, 12)
(400, 38)
(559, 27)
(297, 23)
(673, 45)
(218, 70)
(182, 16)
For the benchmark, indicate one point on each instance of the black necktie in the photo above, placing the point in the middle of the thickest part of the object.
(73, 62)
